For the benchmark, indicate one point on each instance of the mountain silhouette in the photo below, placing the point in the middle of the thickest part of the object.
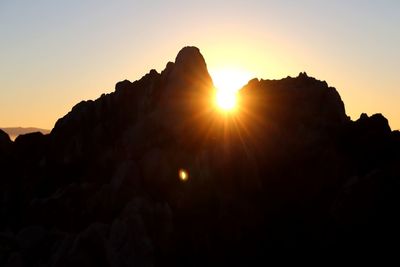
(14, 132)
(288, 170)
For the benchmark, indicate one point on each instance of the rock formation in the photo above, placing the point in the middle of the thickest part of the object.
(288, 170)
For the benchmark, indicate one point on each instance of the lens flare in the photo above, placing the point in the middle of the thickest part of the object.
(183, 175)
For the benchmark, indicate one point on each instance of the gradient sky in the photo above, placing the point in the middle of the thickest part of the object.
(55, 53)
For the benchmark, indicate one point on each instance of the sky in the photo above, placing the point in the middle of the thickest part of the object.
(55, 53)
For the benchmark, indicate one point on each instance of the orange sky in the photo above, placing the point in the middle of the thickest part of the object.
(53, 54)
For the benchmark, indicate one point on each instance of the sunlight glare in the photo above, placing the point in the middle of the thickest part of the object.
(226, 99)
(227, 82)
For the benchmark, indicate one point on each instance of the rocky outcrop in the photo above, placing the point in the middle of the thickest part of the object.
(298, 102)
(288, 169)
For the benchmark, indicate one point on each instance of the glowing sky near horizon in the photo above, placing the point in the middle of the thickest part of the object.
(55, 53)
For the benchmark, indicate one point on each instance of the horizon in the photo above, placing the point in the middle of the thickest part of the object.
(61, 53)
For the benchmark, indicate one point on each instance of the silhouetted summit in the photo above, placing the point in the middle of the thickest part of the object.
(288, 169)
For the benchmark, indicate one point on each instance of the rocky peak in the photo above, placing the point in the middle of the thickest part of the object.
(190, 58)
(189, 73)
(377, 124)
(302, 101)
(187, 86)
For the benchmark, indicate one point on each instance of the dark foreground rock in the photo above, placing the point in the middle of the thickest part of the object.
(287, 170)
(5, 141)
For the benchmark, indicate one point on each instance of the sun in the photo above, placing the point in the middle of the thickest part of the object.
(225, 99)
(227, 82)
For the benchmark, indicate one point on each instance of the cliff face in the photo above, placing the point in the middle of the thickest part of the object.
(288, 169)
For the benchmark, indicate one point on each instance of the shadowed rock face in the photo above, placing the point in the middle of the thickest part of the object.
(5, 140)
(288, 170)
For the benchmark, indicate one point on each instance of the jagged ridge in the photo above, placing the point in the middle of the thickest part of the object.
(290, 169)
